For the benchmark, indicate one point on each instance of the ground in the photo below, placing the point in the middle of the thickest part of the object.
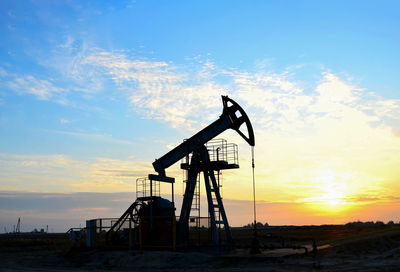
(350, 249)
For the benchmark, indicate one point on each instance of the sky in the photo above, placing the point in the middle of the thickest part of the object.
(91, 92)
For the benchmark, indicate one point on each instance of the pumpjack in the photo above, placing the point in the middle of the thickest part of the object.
(233, 117)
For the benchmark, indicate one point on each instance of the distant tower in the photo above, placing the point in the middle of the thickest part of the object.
(17, 229)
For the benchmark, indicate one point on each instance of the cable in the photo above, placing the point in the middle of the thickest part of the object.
(254, 189)
(255, 246)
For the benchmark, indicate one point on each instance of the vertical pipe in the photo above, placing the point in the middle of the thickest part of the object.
(173, 202)
(173, 233)
(140, 233)
(130, 233)
(151, 204)
(101, 230)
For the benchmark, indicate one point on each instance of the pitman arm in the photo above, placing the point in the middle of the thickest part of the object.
(233, 116)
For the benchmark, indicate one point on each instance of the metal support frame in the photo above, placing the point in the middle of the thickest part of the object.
(200, 163)
(183, 223)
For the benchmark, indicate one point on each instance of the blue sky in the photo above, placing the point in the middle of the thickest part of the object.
(351, 38)
(97, 86)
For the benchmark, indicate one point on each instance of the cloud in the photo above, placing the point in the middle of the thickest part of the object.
(333, 89)
(42, 89)
(3, 73)
(49, 173)
(188, 95)
(64, 121)
(67, 58)
(159, 90)
(37, 210)
(61, 211)
(396, 131)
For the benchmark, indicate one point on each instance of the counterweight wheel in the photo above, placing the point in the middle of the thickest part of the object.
(135, 212)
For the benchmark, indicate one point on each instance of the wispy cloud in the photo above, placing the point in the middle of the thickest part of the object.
(42, 89)
(188, 95)
(49, 173)
(3, 72)
(159, 90)
(64, 121)
(180, 95)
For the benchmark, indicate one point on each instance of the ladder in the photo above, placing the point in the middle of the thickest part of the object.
(195, 209)
(217, 212)
(216, 208)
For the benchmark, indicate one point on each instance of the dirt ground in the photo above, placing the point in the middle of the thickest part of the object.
(368, 251)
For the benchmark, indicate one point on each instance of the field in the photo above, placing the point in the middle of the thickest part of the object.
(341, 248)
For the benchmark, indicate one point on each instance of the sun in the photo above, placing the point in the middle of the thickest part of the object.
(331, 190)
(334, 202)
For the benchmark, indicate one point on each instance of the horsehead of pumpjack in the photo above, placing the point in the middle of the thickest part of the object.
(238, 120)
